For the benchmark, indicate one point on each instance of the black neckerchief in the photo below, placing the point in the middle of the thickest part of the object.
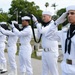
(45, 24)
(5, 26)
(24, 27)
(70, 34)
(17, 26)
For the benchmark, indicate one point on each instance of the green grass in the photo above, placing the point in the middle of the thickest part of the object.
(35, 56)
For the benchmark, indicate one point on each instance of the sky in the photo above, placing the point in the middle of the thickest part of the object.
(6, 4)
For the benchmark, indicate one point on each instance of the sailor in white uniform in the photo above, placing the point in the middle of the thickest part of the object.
(12, 49)
(25, 51)
(67, 38)
(50, 48)
(3, 64)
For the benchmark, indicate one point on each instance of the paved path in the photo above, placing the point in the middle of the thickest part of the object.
(36, 64)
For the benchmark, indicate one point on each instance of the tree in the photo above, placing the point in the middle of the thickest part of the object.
(3, 16)
(20, 8)
(54, 6)
(46, 4)
(54, 17)
(61, 11)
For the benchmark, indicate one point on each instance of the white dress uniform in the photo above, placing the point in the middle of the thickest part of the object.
(12, 49)
(25, 49)
(67, 38)
(2, 56)
(68, 63)
(50, 51)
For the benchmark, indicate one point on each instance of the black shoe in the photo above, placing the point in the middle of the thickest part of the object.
(3, 72)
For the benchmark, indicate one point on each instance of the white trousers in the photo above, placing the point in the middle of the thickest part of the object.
(11, 57)
(49, 63)
(63, 73)
(2, 55)
(25, 60)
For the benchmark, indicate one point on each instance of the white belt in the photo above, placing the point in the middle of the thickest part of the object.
(47, 49)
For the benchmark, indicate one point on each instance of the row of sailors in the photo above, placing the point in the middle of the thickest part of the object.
(24, 37)
(50, 36)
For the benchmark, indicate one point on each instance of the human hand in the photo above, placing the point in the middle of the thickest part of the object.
(61, 19)
(14, 22)
(34, 18)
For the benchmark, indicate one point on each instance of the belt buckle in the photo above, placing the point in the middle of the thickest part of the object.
(19, 44)
(68, 61)
(46, 50)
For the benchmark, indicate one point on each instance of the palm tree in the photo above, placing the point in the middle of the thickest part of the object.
(54, 5)
(46, 4)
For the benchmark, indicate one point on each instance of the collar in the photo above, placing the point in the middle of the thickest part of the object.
(46, 24)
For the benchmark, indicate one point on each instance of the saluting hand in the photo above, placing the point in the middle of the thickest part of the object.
(61, 19)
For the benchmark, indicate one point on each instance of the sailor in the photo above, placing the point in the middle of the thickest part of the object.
(25, 51)
(3, 63)
(67, 38)
(11, 48)
(50, 48)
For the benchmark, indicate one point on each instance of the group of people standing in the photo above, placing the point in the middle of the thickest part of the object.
(24, 35)
(49, 39)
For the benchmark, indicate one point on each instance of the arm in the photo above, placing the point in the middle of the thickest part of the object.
(6, 32)
(52, 29)
(61, 19)
(41, 29)
(24, 32)
(54, 35)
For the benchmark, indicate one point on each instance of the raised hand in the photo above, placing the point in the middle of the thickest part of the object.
(61, 19)
(14, 22)
(34, 18)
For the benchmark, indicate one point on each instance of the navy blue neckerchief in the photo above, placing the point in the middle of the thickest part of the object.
(46, 24)
(70, 34)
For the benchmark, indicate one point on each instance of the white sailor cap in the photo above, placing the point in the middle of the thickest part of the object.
(72, 7)
(26, 18)
(3, 23)
(47, 13)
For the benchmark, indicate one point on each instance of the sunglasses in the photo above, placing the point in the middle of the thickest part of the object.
(71, 13)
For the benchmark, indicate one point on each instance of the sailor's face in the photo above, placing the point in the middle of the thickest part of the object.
(71, 16)
(46, 18)
(24, 23)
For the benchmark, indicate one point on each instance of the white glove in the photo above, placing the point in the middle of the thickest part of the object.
(61, 19)
(12, 25)
(34, 18)
(14, 22)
